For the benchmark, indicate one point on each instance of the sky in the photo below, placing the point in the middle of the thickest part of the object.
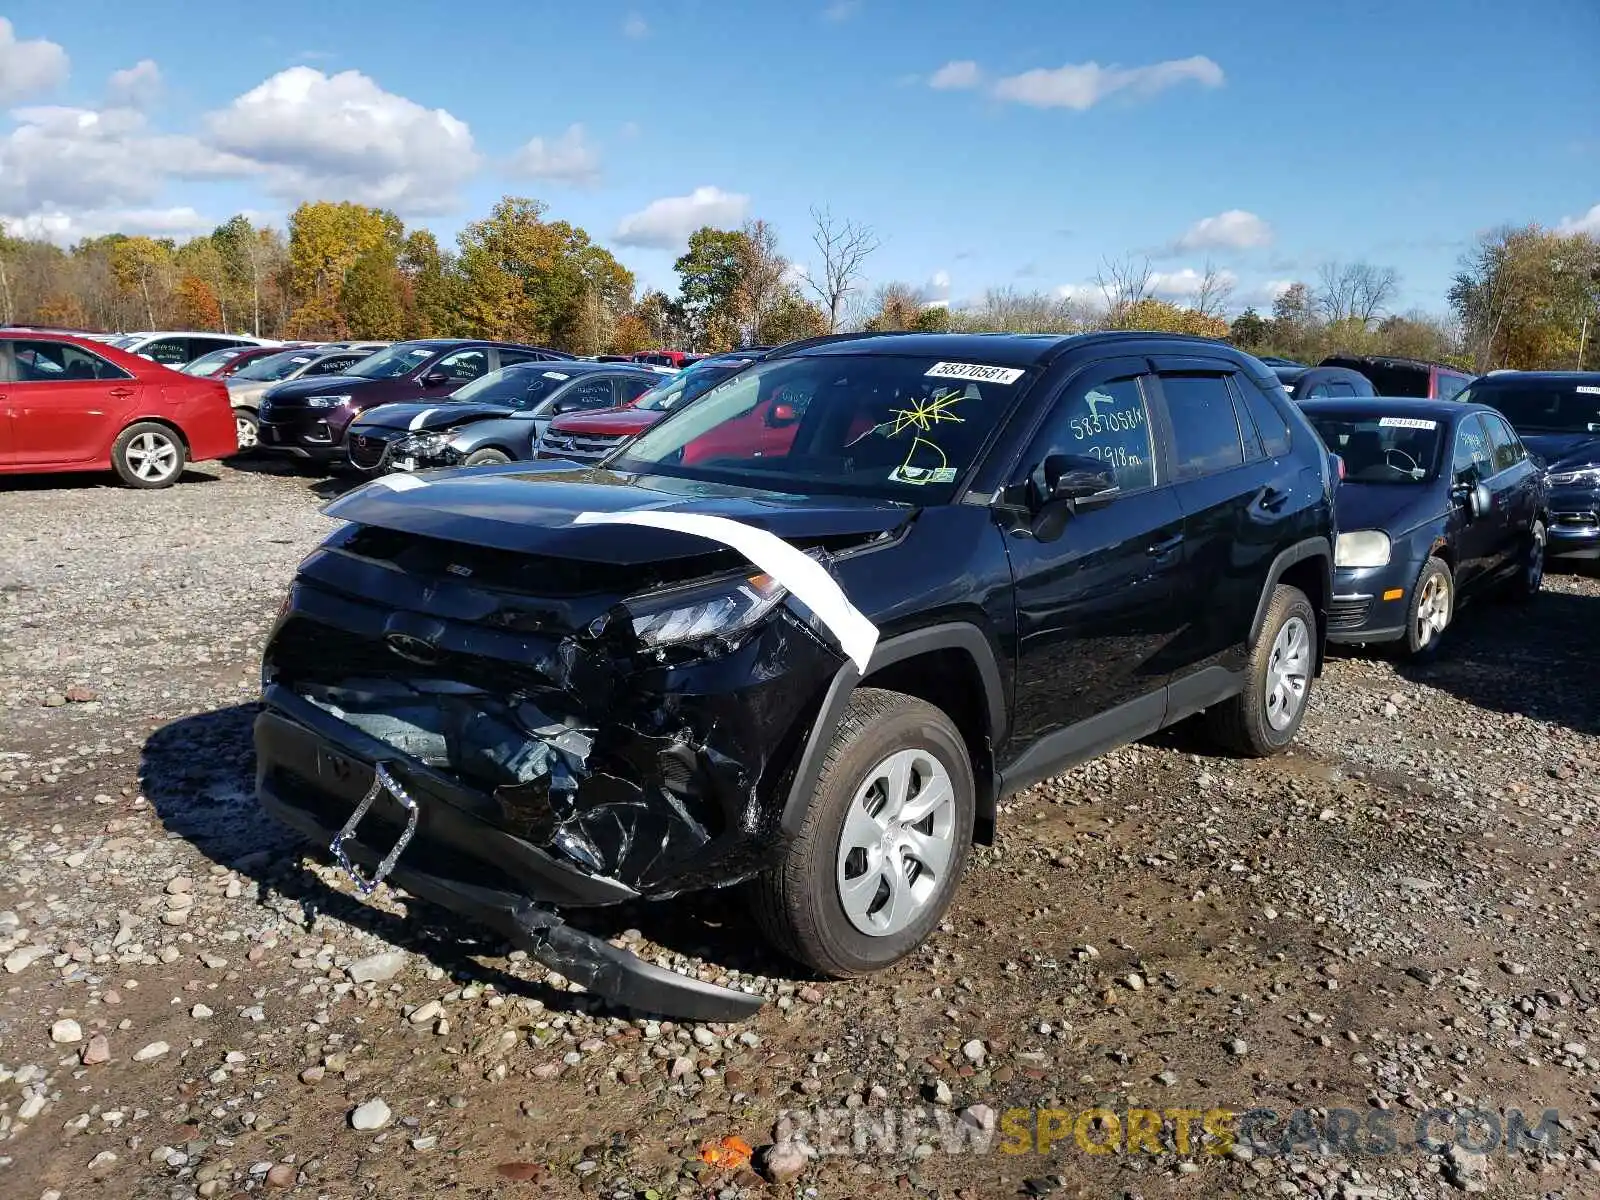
(1021, 143)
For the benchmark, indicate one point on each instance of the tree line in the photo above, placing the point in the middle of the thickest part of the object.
(1524, 297)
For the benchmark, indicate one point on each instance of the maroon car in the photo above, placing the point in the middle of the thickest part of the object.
(307, 418)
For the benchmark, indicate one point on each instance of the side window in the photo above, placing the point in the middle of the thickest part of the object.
(464, 364)
(630, 388)
(1269, 422)
(200, 345)
(1449, 386)
(1109, 420)
(1472, 454)
(1205, 431)
(171, 352)
(508, 357)
(1504, 449)
(49, 362)
(589, 393)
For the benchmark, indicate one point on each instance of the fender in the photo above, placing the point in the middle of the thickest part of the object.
(958, 635)
(1299, 552)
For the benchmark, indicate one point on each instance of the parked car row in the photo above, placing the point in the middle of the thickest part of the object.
(1341, 375)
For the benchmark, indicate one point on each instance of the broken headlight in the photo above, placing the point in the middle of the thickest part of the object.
(717, 610)
(423, 445)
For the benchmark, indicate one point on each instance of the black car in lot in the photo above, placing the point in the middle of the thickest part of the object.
(813, 656)
(495, 419)
(1440, 501)
(307, 418)
(1321, 383)
(1557, 413)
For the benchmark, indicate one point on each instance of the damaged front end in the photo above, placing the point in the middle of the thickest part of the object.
(535, 732)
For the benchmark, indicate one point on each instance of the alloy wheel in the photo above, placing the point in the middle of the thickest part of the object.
(1288, 673)
(897, 842)
(246, 429)
(152, 456)
(1433, 610)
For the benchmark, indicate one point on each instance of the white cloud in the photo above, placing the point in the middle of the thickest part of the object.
(937, 289)
(136, 87)
(67, 160)
(1184, 284)
(1080, 86)
(566, 159)
(959, 74)
(342, 137)
(1588, 223)
(841, 10)
(635, 26)
(67, 228)
(1261, 295)
(28, 69)
(1235, 229)
(666, 224)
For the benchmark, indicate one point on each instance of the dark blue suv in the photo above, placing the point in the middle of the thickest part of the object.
(1557, 415)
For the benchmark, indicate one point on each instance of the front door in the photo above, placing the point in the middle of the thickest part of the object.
(65, 403)
(1096, 603)
(1472, 463)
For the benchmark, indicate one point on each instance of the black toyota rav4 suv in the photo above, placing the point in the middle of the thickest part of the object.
(804, 633)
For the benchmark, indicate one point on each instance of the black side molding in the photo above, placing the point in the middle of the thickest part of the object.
(955, 635)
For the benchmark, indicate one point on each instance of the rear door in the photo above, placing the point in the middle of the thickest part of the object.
(1514, 484)
(66, 403)
(1231, 502)
(1096, 601)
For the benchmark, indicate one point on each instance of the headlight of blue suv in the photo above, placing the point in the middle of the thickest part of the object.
(692, 614)
(1363, 548)
(1583, 475)
(425, 445)
(326, 401)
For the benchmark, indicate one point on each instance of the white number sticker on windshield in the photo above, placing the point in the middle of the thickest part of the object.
(1407, 423)
(976, 372)
(556, 375)
(1585, 390)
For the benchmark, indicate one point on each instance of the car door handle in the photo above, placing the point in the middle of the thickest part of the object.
(1272, 499)
(120, 392)
(1165, 547)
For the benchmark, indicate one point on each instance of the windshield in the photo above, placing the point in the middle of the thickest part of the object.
(520, 387)
(1547, 408)
(892, 428)
(1381, 449)
(393, 362)
(210, 364)
(685, 386)
(274, 366)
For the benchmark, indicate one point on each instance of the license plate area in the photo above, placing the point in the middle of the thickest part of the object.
(382, 783)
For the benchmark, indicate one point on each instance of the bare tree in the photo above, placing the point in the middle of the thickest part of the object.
(761, 274)
(1216, 289)
(1354, 291)
(1124, 283)
(845, 246)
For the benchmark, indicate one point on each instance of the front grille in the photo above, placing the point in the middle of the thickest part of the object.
(584, 447)
(1348, 612)
(367, 451)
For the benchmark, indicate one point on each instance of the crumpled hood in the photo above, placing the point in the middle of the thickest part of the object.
(1565, 451)
(1394, 508)
(426, 416)
(530, 508)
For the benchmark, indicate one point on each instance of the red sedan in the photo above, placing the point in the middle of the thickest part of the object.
(71, 404)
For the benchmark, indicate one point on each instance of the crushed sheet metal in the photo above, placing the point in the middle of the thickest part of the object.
(418, 420)
(794, 569)
(400, 483)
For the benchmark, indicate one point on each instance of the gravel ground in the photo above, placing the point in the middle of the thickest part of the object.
(1396, 917)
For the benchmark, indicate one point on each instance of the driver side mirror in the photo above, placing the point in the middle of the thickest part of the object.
(779, 415)
(434, 379)
(1080, 480)
(1474, 495)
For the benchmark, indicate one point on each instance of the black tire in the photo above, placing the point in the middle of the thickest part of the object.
(1422, 641)
(148, 455)
(1278, 681)
(482, 458)
(1529, 579)
(248, 426)
(798, 901)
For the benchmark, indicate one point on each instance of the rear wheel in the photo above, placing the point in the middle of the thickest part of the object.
(482, 458)
(1530, 574)
(148, 455)
(1433, 606)
(1263, 718)
(880, 853)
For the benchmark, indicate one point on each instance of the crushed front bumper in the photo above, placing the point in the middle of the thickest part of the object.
(314, 770)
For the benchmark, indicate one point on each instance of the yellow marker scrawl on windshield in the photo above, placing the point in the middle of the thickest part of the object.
(923, 415)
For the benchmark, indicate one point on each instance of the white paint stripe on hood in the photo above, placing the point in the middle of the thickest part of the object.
(416, 421)
(799, 572)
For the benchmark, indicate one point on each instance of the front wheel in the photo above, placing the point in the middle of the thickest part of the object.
(1433, 606)
(247, 426)
(880, 853)
(148, 455)
(482, 458)
(1263, 718)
